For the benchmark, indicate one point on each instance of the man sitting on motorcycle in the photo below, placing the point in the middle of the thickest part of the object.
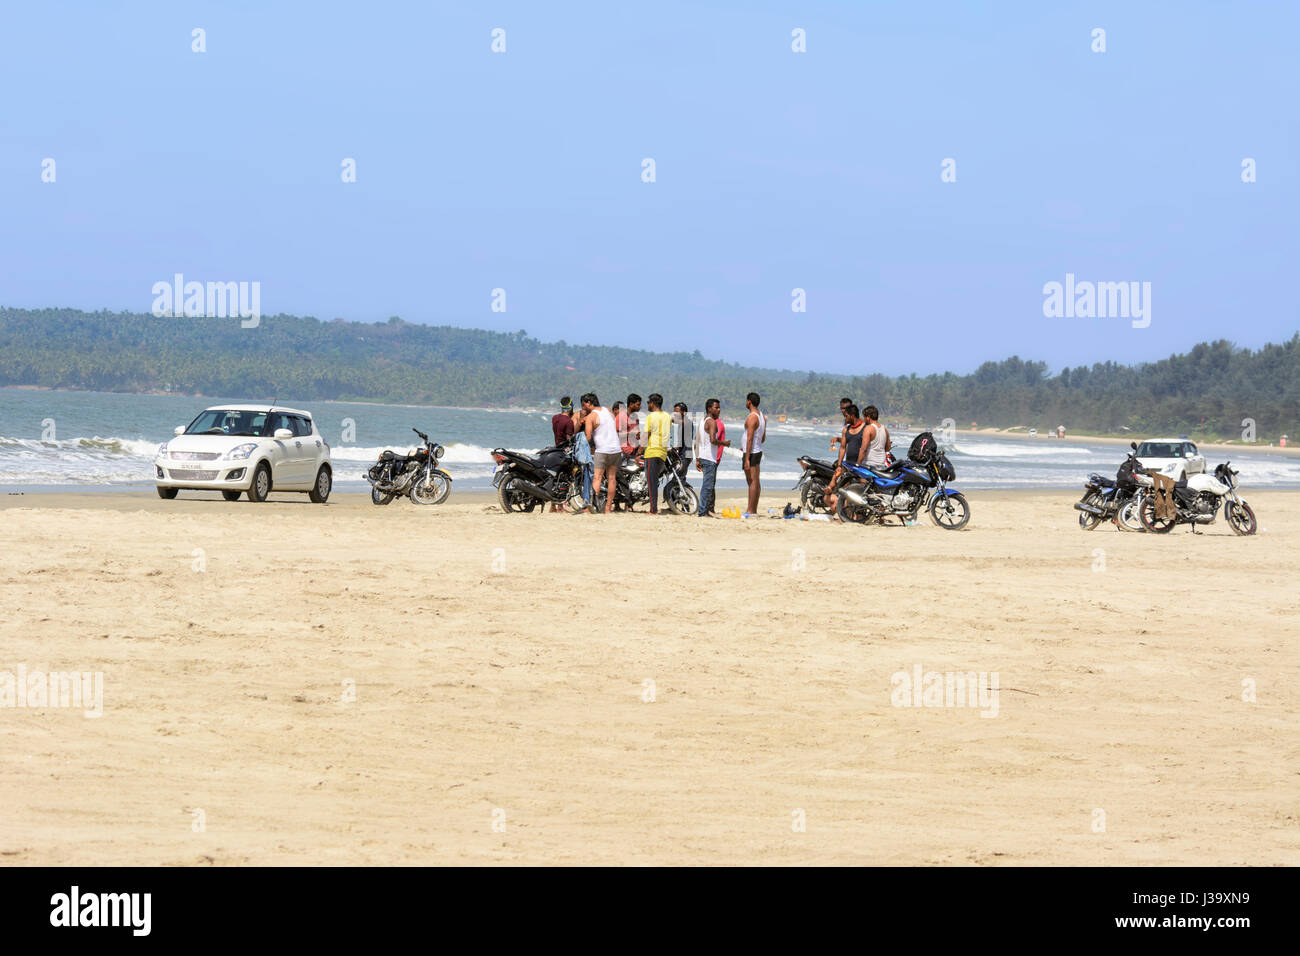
(852, 447)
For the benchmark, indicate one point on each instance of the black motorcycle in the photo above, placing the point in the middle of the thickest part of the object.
(1118, 500)
(813, 483)
(415, 474)
(633, 488)
(528, 483)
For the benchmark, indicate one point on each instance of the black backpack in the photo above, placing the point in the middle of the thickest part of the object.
(923, 448)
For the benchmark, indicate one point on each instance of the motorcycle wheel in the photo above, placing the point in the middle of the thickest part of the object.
(813, 498)
(950, 512)
(379, 497)
(1149, 519)
(849, 512)
(684, 502)
(430, 490)
(514, 501)
(1129, 518)
(1240, 518)
(1088, 521)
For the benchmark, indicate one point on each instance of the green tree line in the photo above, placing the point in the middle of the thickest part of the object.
(1208, 390)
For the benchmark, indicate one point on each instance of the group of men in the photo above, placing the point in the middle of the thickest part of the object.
(603, 438)
(864, 441)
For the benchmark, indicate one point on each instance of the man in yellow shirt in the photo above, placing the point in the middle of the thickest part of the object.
(656, 430)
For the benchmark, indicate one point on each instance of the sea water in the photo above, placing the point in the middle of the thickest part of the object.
(80, 440)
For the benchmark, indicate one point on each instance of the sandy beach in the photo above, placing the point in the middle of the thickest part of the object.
(289, 683)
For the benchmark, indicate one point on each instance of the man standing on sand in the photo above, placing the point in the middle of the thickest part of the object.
(752, 449)
(711, 438)
(658, 425)
(562, 424)
(683, 440)
(629, 426)
(606, 454)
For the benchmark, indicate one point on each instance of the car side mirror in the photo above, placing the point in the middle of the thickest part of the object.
(178, 430)
(283, 433)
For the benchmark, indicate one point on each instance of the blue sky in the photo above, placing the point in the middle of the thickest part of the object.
(774, 170)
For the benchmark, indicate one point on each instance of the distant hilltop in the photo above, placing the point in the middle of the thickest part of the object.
(1213, 389)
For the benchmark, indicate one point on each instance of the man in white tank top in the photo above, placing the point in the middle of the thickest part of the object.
(606, 451)
(876, 438)
(752, 448)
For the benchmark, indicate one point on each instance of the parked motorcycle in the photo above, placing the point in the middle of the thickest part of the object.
(1196, 501)
(527, 482)
(632, 487)
(415, 474)
(903, 489)
(1118, 500)
(812, 484)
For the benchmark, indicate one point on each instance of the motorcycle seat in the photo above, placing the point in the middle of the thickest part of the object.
(1104, 482)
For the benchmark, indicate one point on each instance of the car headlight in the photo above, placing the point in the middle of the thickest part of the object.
(241, 451)
(162, 450)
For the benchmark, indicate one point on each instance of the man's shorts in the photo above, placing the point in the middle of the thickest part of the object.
(607, 460)
(755, 458)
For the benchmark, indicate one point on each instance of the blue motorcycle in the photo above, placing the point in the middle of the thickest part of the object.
(902, 490)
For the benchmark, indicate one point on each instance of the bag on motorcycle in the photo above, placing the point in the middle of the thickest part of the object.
(1124, 477)
(552, 458)
(945, 468)
(923, 448)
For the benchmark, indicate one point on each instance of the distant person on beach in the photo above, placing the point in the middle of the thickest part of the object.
(876, 437)
(839, 439)
(562, 424)
(629, 426)
(710, 439)
(852, 449)
(605, 452)
(658, 428)
(752, 450)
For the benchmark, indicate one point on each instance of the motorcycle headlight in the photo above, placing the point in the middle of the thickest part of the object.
(162, 450)
(437, 451)
(241, 451)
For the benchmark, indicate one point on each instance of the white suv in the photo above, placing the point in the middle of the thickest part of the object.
(246, 448)
(1175, 457)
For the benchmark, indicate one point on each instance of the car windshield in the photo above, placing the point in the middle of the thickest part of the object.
(228, 421)
(1160, 449)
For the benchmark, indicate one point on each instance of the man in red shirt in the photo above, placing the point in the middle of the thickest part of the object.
(562, 424)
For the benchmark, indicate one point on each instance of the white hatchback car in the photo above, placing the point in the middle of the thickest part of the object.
(1175, 457)
(246, 448)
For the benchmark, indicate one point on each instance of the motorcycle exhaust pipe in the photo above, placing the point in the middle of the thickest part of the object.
(534, 490)
(854, 497)
(1091, 509)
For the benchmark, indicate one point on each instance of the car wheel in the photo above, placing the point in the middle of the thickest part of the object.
(167, 493)
(231, 495)
(260, 486)
(320, 491)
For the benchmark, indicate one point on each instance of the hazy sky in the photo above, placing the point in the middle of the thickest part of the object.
(775, 170)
